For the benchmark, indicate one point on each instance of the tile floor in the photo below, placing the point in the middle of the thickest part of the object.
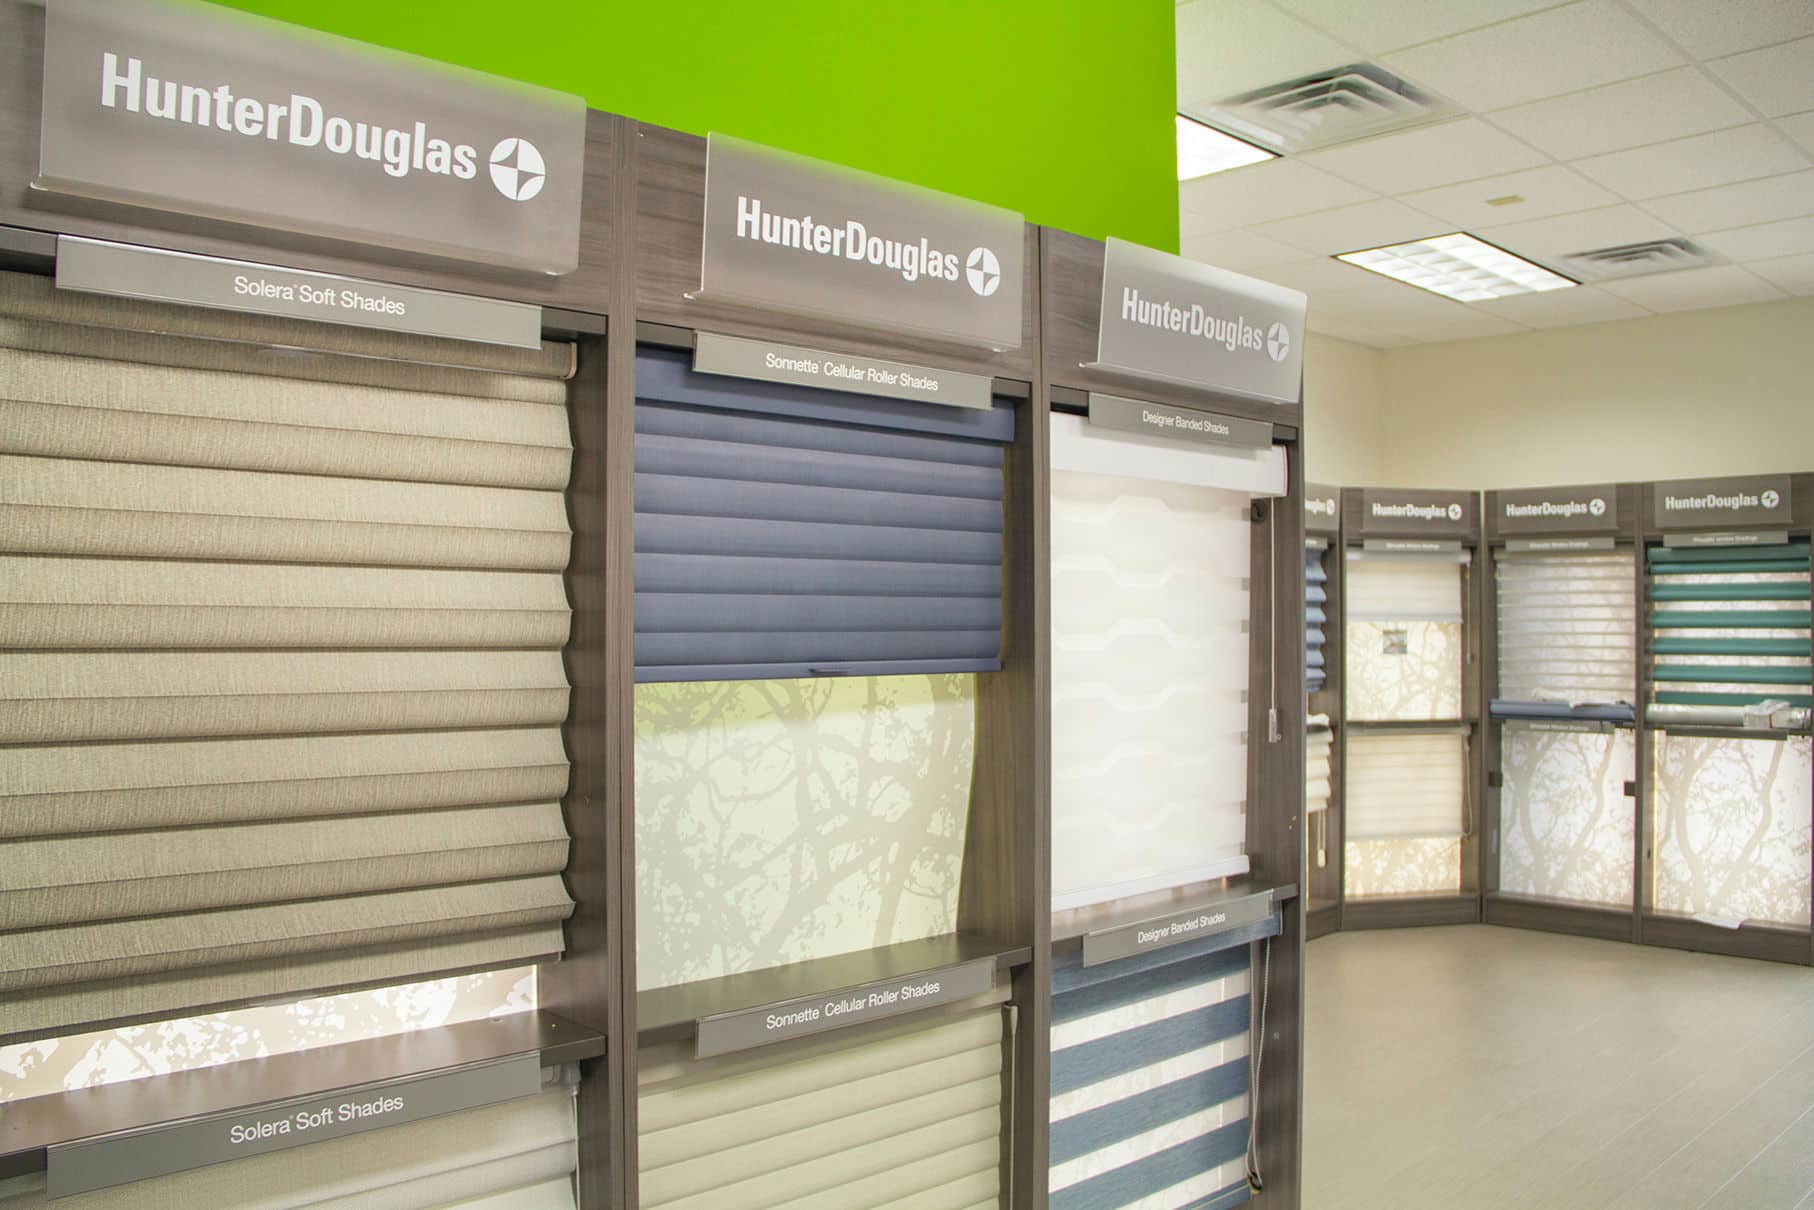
(1482, 1068)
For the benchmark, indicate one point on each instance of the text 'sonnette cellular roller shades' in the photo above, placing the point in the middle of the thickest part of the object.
(785, 531)
(1316, 615)
(518, 1155)
(1150, 1076)
(1729, 627)
(281, 688)
(900, 1114)
(1151, 558)
(1402, 636)
(1567, 628)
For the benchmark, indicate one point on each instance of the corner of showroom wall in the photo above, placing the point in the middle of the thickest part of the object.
(1061, 110)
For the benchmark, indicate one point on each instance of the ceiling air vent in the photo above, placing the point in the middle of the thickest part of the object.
(1357, 101)
(1637, 260)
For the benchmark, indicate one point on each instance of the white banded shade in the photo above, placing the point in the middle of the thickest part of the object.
(1401, 785)
(1732, 827)
(1565, 822)
(282, 687)
(790, 532)
(1567, 627)
(900, 1114)
(518, 1155)
(1402, 637)
(1151, 554)
(1150, 1077)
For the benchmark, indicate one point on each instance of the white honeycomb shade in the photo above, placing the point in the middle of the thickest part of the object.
(1316, 770)
(1151, 554)
(904, 1113)
(1567, 627)
(1400, 786)
(520, 1155)
(1565, 823)
(1403, 637)
(1732, 828)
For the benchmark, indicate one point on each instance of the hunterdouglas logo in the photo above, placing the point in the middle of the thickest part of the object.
(1231, 334)
(1714, 502)
(516, 166)
(851, 241)
(1417, 512)
(1567, 508)
(1322, 506)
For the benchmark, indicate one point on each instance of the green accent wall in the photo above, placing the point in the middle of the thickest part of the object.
(1061, 109)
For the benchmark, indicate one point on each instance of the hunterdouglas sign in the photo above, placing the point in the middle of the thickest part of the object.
(1553, 510)
(1322, 508)
(1175, 320)
(1411, 513)
(799, 234)
(185, 107)
(1716, 503)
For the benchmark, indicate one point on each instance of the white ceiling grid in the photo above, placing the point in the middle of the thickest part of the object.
(1616, 121)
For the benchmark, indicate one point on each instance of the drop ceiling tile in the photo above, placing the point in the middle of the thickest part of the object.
(1681, 165)
(1790, 237)
(1255, 194)
(1546, 191)
(1694, 289)
(1377, 28)
(1429, 156)
(1778, 79)
(1550, 238)
(1241, 251)
(1707, 29)
(1355, 331)
(1792, 273)
(1227, 47)
(1564, 49)
(1799, 127)
(1749, 202)
(1396, 307)
(1668, 105)
(1563, 308)
(1349, 228)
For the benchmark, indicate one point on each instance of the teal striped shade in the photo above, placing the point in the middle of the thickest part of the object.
(1730, 626)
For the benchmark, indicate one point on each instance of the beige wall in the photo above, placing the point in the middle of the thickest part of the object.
(1727, 391)
(1343, 420)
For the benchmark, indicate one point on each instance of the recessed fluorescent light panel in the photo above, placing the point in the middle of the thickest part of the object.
(1458, 266)
(1204, 149)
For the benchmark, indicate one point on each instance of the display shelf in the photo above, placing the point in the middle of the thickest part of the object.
(1410, 911)
(1773, 943)
(29, 1127)
(1070, 927)
(666, 1014)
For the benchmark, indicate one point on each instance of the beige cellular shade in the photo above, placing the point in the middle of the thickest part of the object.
(281, 682)
(521, 1154)
(904, 1114)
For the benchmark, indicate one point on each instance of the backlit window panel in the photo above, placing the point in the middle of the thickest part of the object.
(1151, 558)
(1732, 828)
(1565, 822)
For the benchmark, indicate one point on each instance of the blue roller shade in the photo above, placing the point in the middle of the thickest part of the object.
(785, 531)
(1316, 599)
(1150, 1075)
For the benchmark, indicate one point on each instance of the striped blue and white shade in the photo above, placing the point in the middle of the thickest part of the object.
(1150, 1077)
